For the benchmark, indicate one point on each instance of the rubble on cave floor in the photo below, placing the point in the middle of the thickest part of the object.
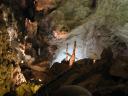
(106, 77)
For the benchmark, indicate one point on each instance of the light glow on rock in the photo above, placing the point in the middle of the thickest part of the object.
(62, 53)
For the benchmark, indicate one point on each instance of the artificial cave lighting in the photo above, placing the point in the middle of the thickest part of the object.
(62, 53)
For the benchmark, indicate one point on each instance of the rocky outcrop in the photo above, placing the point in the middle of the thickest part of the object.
(17, 77)
(72, 90)
(99, 78)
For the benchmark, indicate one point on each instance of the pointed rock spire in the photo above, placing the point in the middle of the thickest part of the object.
(72, 59)
(67, 52)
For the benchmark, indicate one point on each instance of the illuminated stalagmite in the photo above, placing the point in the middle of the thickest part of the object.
(67, 52)
(72, 59)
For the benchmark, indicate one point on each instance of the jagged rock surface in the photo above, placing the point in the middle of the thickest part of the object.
(96, 77)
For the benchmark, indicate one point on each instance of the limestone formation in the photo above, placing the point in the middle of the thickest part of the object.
(33, 37)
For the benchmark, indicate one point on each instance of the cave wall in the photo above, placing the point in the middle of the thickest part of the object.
(94, 24)
(93, 28)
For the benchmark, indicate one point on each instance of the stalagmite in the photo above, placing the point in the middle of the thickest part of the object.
(67, 53)
(39, 51)
(12, 32)
(72, 59)
(94, 61)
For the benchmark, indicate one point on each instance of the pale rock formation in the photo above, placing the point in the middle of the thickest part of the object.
(72, 59)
